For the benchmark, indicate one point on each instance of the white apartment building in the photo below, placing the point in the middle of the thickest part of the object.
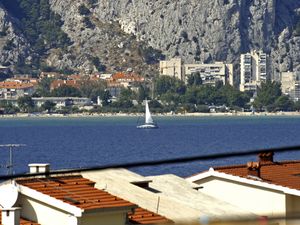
(253, 70)
(290, 84)
(172, 68)
(211, 73)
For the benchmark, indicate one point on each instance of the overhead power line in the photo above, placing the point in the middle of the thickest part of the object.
(159, 162)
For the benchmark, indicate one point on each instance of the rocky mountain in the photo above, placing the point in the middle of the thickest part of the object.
(115, 35)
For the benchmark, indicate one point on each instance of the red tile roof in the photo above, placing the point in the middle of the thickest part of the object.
(75, 190)
(60, 83)
(286, 173)
(15, 85)
(131, 77)
(80, 192)
(143, 216)
(22, 221)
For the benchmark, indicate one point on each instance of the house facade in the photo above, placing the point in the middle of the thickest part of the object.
(265, 188)
(63, 101)
(15, 89)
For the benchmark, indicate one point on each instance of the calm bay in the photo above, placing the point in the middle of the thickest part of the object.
(68, 143)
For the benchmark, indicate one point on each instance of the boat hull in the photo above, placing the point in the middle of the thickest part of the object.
(147, 126)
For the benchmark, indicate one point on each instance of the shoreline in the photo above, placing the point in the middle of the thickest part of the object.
(99, 115)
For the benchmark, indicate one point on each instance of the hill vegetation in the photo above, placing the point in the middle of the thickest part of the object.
(41, 27)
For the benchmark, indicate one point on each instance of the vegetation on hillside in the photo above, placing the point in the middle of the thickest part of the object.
(41, 27)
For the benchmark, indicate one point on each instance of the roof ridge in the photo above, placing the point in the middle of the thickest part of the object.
(262, 164)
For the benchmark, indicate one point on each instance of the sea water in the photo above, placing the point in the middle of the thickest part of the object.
(68, 143)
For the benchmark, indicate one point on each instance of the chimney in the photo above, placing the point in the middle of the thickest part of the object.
(253, 169)
(39, 168)
(266, 157)
(11, 216)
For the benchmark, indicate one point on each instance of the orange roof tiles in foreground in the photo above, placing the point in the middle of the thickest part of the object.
(22, 221)
(286, 173)
(76, 191)
(80, 192)
(143, 216)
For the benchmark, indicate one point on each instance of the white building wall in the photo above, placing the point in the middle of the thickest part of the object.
(46, 214)
(172, 68)
(260, 201)
(253, 70)
(42, 213)
(290, 84)
(211, 73)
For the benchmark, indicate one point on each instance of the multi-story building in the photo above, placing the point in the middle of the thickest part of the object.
(253, 70)
(211, 73)
(14, 89)
(290, 84)
(172, 68)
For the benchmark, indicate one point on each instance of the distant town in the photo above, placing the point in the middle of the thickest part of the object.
(179, 87)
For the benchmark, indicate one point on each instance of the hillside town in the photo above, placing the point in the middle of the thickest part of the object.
(179, 87)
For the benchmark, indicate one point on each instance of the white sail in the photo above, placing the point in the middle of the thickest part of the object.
(148, 118)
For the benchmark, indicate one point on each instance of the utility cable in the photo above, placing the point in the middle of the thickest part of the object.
(159, 162)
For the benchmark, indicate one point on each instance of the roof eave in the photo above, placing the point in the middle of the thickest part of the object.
(258, 183)
(111, 209)
(50, 201)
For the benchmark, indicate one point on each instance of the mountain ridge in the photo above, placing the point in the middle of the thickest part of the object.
(116, 35)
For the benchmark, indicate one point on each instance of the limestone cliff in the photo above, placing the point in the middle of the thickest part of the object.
(14, 48)
(130, 33)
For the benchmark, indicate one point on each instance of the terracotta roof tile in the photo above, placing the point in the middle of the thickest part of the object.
(80, 192)
(143, 216)
(60, 83)
(75, 190)
(22, 221)
(127, 76)
(286, 173)
(15, 85)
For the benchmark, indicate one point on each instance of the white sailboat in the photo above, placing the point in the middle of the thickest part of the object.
(149, 123)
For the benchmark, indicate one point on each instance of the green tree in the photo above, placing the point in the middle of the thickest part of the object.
(267, 95)
(66, 91)
(49, 106)
(283, 103)
(92, 89)
(8, 107)
(194, 79)
(234, 97)
(43, 88)
(99, 66)
(25, 104)
(142, 93)
(105, 98)
(166, 84)
(297, 105)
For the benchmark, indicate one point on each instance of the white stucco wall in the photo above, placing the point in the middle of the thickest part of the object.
(43, 214)
(46, 214)
(258, 200)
